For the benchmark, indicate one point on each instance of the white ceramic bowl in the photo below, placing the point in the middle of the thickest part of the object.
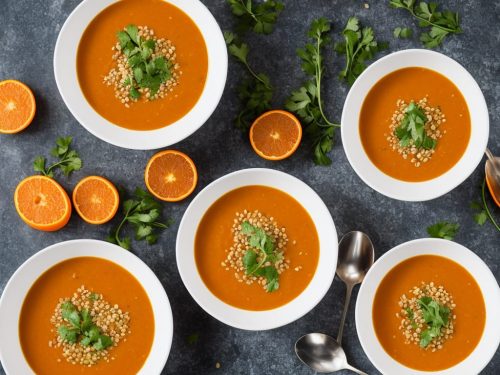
(258, 320)
(490, 340)
(69, 87)
(361, 163)
(11, 354)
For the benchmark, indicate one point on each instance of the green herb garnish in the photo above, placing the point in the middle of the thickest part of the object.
(411, 130)
(68, 162)
(441, 23)
(148, 72)
(358, 46)
(255, 92)
(411, 316)
(193, 338)
(403, 32)
(81, 328)
(144, 213)
(435, 316)
(306, 102)
(258, 17)
(483, 213)
(263, 251)
(444, 230)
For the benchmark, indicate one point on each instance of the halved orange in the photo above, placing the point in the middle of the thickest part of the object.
(171, 175)
(42, 203)
(275, 135)
(17, 106)
(96, 199)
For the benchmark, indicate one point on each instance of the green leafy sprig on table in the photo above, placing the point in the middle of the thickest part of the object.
(68, 159)
(483, 213)
(255, 92)
(441, 23)
(143, 212)
(306, 102)
(81, 329)
(443, 230)
(358, 46)
(263, 250)
(148, 72)
(411, 130)
(403, 32)
(259, 17)
(435, 316)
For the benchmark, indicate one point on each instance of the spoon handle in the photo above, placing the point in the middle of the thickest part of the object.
(489, 154)
(353, 369)
(344, 313)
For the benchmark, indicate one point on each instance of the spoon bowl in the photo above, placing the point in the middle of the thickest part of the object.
(492, 171)
(320, 352)
(356, 256)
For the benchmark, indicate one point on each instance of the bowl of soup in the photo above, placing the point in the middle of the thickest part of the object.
(429, 306)
(257, 249)
(141, 74)
(414, 125)
(86, 307)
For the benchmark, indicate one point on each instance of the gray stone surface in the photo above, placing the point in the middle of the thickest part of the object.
(27, 38)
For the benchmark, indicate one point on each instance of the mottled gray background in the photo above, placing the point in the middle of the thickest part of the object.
(28, 33)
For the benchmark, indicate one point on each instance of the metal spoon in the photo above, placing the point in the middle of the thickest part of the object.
(492, 170)
(321, 352)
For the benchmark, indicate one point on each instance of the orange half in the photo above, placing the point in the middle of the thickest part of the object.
(275, 135)
(42, 203)
(17, 106)
(171, 175)
(96, 199)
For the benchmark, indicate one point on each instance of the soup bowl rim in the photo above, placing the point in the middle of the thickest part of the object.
(16, 289)
(297, 307)
(442, 184)
(65, 72)
(490, 339)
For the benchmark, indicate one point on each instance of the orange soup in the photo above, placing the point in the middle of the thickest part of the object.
(95, 60)
(105, 283)
(451, 125)
(231, 261)
(423, 279)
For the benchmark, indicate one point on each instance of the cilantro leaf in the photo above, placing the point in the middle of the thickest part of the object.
(259, 17)
(444, 230)
(103, 342)
(483, 213)
(403, 32)
(411, 129)
(193, 338)
(68, 334)
(435, 316)
(68, 162)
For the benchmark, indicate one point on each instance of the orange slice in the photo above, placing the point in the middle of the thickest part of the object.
(96, 199)
(42, 203)
(17, 106)
(171, 175)
(275, 135)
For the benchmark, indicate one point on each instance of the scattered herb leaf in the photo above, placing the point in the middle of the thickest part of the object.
(411, 130)
(483, 213)
(68, 162)
(306, 102)
(193, 338)
(144, 213)
(358, 46)
(259, 17)
(441, 23)
(403, 32)
(435, 316)
(443, 230)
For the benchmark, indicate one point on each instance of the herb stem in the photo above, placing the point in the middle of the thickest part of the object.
(410, 9)
(490, 216)
(257, 76)
(127, 214)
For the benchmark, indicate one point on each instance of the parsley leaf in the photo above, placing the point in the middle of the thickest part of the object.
(144, 213)
(306, 102)
(411, 129)
(483, 213)
(258, 17)
(441, 23)
(255, 92)
(68, 162)
(193, 338)
(403, 32)
(444, 230)
(358, 46)
(435, 316)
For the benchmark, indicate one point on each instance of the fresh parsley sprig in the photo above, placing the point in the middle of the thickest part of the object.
(411, 130)
(255, 92)
(403, 32)
(81, 328)
(143, 212)
(444, 230)
(358, 46)
(263, 251)
(435, 316)
(306, 102)
(68, 162)
(148, 72)
(441, 24)
(258, 17)
(483, 213)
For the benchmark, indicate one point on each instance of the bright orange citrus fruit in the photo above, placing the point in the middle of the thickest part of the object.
(275, 135)
(171, 175)
(17, 106)
(42, 203)
(96, 199)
